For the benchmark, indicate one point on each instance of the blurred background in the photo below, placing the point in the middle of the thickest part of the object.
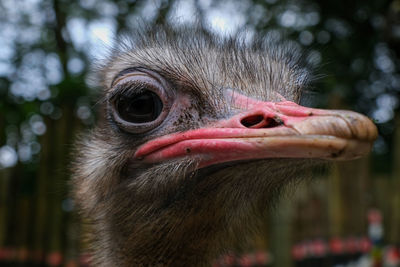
(347, 216)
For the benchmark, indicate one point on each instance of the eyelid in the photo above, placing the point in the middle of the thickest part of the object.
(136, 72)
(121, 74)
(153, 80)
(129, 82)
(123, 77)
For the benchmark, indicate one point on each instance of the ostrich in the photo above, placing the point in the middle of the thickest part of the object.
(196, 137)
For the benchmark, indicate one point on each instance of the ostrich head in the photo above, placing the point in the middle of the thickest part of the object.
(196, 136)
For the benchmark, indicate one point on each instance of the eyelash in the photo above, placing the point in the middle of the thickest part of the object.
(130, 89)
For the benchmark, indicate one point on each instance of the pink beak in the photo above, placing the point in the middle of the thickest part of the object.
(268, 130)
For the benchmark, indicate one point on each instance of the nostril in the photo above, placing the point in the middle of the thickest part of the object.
(273, 122)
(258, 121)
(252, 120)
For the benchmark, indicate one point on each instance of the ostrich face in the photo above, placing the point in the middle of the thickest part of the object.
(185, 97)
(194, 124)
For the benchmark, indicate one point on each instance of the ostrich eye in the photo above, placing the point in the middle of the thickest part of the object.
(139, 101)
(141, 108)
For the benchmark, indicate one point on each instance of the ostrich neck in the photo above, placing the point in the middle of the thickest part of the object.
(181, 235)
(191, 224)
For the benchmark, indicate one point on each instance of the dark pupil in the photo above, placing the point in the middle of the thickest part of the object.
(141, 108)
